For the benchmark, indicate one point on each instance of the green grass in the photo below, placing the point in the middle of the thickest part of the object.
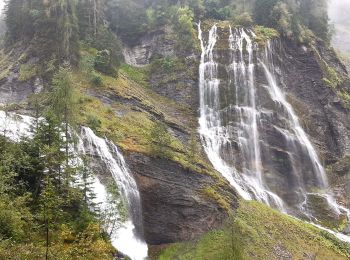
(330, 75)
(139, 75)
(129, 117)
(214, 195)
(263, 34)
(27, 72)
(258, 232)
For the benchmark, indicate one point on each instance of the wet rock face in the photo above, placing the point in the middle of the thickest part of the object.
(14, 91)
(174, 208)
(323, 117)
(325, 120)
(152, 44)
(175, 73)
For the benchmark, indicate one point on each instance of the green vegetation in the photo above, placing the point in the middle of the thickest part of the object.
(160, 140)
(139, 75)
(27, 72)
(258, 232)
(263, 34)
(103, 63)
(40, 214)
(333, 79)
(183, 27)
(244, 19)
(299, 21)
(214, 195)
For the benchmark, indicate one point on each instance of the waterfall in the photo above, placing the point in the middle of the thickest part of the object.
(246, 124)
(216, 137)
(127, 238)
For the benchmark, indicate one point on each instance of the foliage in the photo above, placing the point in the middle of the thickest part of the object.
(39, 214)
(183, 27)
(263, 34)
(103, 62)
(128, 19)
(160, 139)
(244, 19)
(27, 72)
(262, 11)
(139, 75)
(282, 18)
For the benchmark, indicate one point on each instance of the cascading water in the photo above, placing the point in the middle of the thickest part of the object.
(217, 137)
(250, 131)
(127, 238)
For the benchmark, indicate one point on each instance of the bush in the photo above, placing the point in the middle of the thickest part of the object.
(244, 19)
(282, 18)
(94, 123)
(168, 63)
(27, 72)
(161, 140)
(103, 63)
(96, 80)
(183, 27)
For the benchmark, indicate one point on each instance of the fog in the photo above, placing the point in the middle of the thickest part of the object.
(339, 12)
(2, 3)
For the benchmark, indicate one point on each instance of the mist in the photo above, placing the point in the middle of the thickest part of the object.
(339, 14)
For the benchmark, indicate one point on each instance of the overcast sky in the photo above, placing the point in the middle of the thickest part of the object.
(2, 2)
(339, 11)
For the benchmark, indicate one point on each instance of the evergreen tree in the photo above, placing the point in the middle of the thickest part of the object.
(63, 109)
(160, 140)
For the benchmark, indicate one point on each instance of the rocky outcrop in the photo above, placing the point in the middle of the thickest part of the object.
(324, 118)
(151, 45)
(322, 112)
(173, 203)
(13, 89)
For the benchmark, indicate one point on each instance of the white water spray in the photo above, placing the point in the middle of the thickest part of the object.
(125, 238)
(230, 129)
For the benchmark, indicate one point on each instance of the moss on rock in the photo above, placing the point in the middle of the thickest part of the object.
(259, 232)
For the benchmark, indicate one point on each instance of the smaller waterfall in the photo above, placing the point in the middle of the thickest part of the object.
(15, 126)
(278, 96)
(128, 238)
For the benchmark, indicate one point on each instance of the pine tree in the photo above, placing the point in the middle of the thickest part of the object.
(63, 109)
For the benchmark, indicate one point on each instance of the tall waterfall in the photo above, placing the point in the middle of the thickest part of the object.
(127, 238)
(251, 133)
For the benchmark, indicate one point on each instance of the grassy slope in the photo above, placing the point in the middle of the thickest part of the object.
(258, 232)
(131, 112)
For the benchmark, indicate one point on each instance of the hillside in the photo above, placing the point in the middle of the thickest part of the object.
(185, 127)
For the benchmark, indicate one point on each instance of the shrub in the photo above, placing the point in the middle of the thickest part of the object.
(244, 19)
(94, 123)
(168, 63)
(103, 63)
(27, 72)
(160, 139)
(183, 27)
(96, 80)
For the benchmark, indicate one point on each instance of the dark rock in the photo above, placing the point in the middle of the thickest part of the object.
(174, 207)
(152, 44)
